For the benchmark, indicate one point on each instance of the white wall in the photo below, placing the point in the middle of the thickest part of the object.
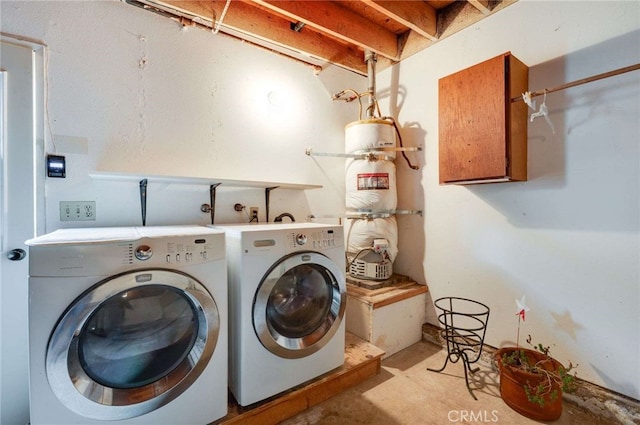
(132, 91)
(145, 96)
(567, 239)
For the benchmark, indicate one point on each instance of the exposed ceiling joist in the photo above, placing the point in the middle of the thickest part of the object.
(246, 19)
(483, 6)
(338, 32)
(418, 16)
(331, 18)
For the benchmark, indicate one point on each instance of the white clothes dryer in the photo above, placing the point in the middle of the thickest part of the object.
(287, 298)
(128, 325)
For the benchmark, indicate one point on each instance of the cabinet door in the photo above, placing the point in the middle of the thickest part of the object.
(475, 123)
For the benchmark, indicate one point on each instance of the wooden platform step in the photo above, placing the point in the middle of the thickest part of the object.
(361, 361)
(395, 279)
(393, 293)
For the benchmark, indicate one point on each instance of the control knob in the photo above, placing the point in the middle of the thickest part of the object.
(143, 252)
(301, 239)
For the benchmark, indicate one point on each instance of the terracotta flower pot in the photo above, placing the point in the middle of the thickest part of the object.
(514, 380)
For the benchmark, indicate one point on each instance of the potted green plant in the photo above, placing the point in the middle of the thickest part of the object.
(531, 381)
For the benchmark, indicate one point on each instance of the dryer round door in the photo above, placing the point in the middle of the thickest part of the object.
(132, 343)
(299, 304)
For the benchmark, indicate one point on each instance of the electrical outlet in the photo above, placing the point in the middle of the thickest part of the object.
(253, 213)
(77, 210)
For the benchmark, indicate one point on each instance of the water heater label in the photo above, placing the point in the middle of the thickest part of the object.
(373, 181)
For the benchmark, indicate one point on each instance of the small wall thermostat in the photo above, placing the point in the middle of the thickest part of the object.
(56, 166)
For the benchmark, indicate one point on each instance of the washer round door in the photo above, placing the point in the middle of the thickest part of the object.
(132, 343)
(299, 305)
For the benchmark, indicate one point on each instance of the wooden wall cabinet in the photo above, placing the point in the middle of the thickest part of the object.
(483, 135)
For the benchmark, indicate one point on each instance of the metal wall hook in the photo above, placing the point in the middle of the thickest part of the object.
(267, 192)
(143, 200)
(212, 197)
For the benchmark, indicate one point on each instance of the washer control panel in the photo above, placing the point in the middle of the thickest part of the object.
(182, 250)
(98, 252)
(312, 239)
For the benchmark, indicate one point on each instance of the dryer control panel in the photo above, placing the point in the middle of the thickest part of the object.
(280, 239)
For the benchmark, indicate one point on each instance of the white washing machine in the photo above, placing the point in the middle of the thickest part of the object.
(128, 326)
(287, 298)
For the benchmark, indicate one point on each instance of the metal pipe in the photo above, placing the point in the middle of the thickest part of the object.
(370, 59)
(278, 219)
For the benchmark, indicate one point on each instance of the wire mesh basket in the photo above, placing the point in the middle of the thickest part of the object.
(464, 324)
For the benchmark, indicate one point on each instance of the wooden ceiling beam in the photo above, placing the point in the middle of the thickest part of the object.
(483, 6)
(251, 20)
(339, 22)
(416, 15)
(334, 32)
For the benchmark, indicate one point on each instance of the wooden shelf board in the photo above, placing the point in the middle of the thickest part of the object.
(361, 361)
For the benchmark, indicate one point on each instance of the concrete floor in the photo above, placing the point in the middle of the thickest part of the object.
(405, 393)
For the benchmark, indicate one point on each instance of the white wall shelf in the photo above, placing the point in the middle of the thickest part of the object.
(109, 175)
(144, 179)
